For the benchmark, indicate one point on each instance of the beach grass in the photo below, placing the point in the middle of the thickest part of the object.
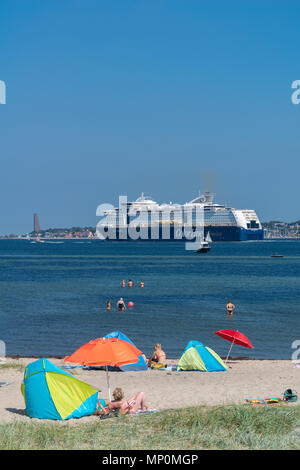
(12, 365)
(221, 427)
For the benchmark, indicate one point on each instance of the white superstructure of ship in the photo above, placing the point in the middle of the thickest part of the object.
(221, 222)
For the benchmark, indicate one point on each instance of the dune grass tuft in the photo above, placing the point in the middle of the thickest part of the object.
(221, 427)
(12, 365)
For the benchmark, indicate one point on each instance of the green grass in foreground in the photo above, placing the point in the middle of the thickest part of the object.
(226, 427)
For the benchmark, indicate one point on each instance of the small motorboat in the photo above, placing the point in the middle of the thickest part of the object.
(204, 245)
(276, 256)
(204, 248)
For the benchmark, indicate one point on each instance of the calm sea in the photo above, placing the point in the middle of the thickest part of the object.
(53, 295)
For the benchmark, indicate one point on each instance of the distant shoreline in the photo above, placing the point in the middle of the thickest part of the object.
(48, 238)
(95, 238)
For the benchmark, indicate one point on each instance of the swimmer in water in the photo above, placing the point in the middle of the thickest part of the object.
(121, 305)
(230, 307)
(123, 283)
(142, 284)
(130, 283)
(108, 306)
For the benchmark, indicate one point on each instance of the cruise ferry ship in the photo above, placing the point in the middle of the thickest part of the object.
(145, 219)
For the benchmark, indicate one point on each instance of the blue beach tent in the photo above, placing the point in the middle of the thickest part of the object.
(140, 365)
(196, 356)
(51, 393)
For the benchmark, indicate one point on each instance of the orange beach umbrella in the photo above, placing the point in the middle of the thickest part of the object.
(105, 352)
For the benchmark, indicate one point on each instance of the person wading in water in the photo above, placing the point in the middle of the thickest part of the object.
(230, 307)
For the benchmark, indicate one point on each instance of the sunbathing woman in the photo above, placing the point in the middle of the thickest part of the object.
(131, 406)
(135, 403)
(106, 406)
(158, 356)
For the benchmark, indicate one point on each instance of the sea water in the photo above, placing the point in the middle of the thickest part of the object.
(53, 295)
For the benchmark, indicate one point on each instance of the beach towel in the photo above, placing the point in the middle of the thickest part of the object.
(158, 365)
(162, 367)
(72, 367)
(265, 401)
(115, 413)
(141, 412)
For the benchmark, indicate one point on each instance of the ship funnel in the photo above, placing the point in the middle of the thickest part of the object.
(206, 198)
(209, 197)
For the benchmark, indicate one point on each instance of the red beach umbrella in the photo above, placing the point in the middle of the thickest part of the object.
(235, 337)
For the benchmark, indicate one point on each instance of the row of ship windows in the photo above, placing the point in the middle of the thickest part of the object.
(209, 219)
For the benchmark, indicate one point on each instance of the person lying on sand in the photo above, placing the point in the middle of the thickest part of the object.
(131, 406)
(158, 356)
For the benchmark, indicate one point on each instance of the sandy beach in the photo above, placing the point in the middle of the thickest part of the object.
(166, 389)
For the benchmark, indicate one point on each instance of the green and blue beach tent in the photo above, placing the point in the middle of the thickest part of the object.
(196, 356)
(51, 393)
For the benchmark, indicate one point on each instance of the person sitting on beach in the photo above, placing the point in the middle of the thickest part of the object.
(158, 356)
(121, 305)
(130, 283)
(105, 406)
(135, 403)
(230, 307)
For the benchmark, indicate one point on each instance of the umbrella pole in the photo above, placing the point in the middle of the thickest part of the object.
(229, 351)
(107, 380)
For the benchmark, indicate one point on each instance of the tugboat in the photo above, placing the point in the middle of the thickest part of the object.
(204, 245)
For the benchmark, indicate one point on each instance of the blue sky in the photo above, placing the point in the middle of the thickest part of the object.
(168, 97)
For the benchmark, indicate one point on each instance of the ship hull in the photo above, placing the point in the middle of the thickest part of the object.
(173, 233)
